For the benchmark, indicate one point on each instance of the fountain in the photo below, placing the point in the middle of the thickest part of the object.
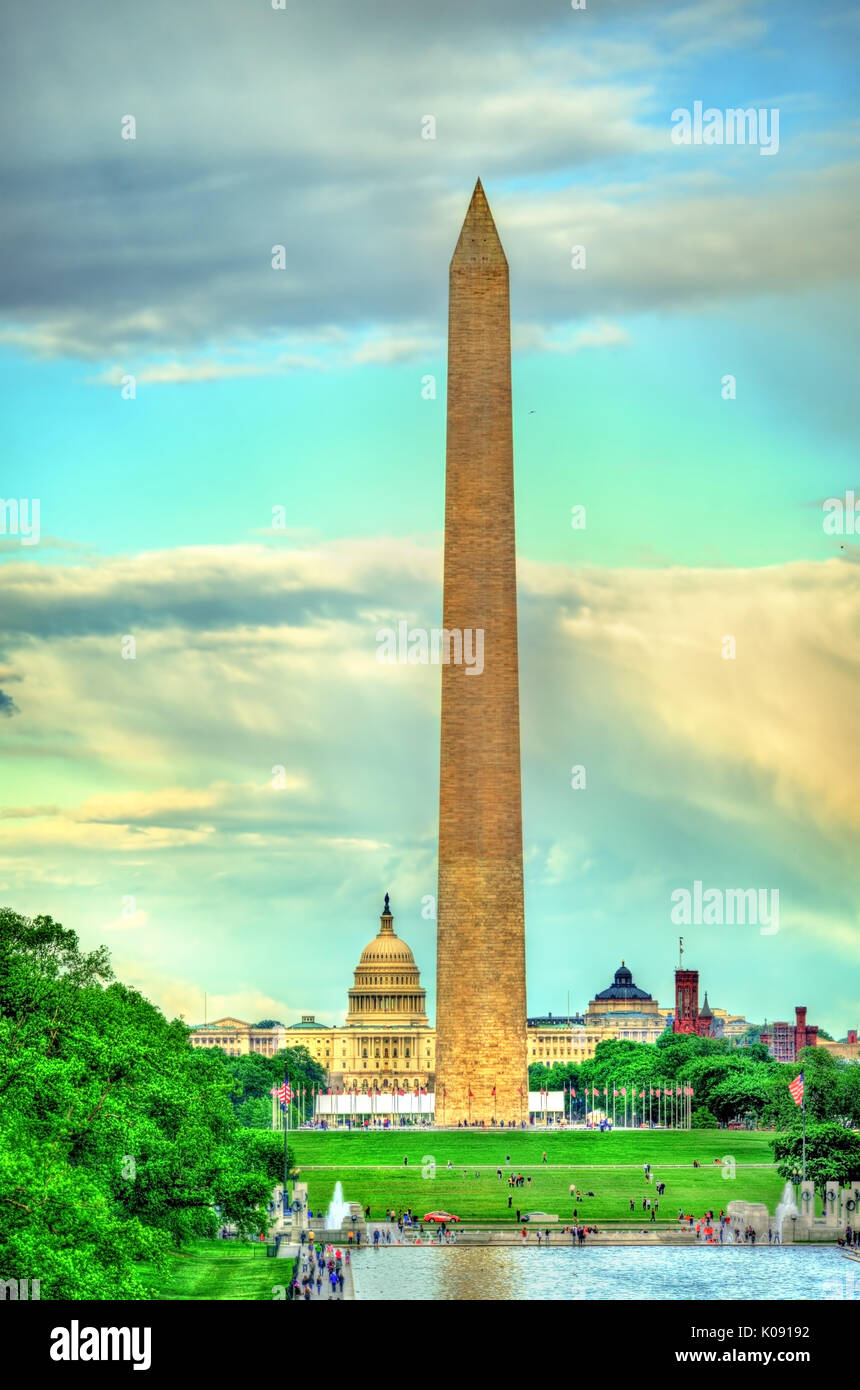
(338, 1210)
(786, 1206)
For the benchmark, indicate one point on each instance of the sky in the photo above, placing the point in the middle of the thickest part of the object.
(226, 808)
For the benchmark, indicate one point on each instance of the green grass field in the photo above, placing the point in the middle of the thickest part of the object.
(370, 1166)
(221, 1269)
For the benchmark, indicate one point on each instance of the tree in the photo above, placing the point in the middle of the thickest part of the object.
(832, 1154)
(268, 1023)
(702, 1119)
(117, 1138)
(742, 1094)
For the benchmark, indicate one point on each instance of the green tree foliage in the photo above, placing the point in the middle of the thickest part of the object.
(255, 1076)
(742, 1094)
(832, 1154)
(703, 1119)
(117, 1138)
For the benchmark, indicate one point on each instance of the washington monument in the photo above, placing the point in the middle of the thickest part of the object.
(481, 1070)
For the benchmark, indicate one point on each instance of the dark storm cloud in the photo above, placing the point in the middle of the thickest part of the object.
(301, 128)
(199, 590)
(7, 705)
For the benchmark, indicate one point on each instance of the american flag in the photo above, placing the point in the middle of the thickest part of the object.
(283, 1093)
(796, 1088)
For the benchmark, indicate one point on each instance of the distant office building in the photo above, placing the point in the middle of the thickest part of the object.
(784, 1041)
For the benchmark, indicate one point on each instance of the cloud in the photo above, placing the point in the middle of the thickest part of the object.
(251, 658)
(177, 373)
(7, 705)
(386, 351)
(534, 337)
(166, 241)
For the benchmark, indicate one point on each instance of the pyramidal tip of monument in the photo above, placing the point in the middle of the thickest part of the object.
(479, 243)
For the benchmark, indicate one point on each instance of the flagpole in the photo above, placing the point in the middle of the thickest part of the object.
(286, 1083)
(803, 1107)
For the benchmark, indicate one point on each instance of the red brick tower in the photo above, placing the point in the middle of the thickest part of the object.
(481, 1069)
(686, 1002)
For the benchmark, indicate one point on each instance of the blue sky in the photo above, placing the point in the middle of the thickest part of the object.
(150, 780)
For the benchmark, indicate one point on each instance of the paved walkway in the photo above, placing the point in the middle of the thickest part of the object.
(325, 1294)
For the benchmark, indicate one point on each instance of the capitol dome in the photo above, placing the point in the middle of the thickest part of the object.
(387, 988)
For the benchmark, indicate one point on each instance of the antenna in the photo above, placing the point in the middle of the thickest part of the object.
(204, 1008)
(680, 952)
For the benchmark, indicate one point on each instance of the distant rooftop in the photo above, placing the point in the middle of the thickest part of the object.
(622, 987)
(556, 1021)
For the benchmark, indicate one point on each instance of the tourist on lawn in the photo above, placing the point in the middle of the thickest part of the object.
(518, 1216)
(543, 1159)
(632, 1204)
(510, 1203)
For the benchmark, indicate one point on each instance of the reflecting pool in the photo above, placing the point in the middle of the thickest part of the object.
(619, 1272)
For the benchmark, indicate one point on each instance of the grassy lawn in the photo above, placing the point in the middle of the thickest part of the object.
(371, 1169)
(221, 1269)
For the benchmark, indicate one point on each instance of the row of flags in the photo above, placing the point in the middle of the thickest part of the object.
(622, 1091)
(285, 1094)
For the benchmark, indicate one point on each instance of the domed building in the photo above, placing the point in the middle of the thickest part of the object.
(625, 1011)
(386, 1042)
(387, 991)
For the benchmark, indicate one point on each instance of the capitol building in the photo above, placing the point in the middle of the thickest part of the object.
(386, 1040)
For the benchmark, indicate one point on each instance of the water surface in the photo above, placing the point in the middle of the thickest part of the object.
(400, 1273)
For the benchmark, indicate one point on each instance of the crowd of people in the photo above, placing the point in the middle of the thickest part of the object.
(317, 1266)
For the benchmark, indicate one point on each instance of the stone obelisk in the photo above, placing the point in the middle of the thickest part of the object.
(481, 1070)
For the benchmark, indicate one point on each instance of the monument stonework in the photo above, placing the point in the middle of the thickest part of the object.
(481, 1065)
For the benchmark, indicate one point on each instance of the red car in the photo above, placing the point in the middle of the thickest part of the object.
(440, 1216)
